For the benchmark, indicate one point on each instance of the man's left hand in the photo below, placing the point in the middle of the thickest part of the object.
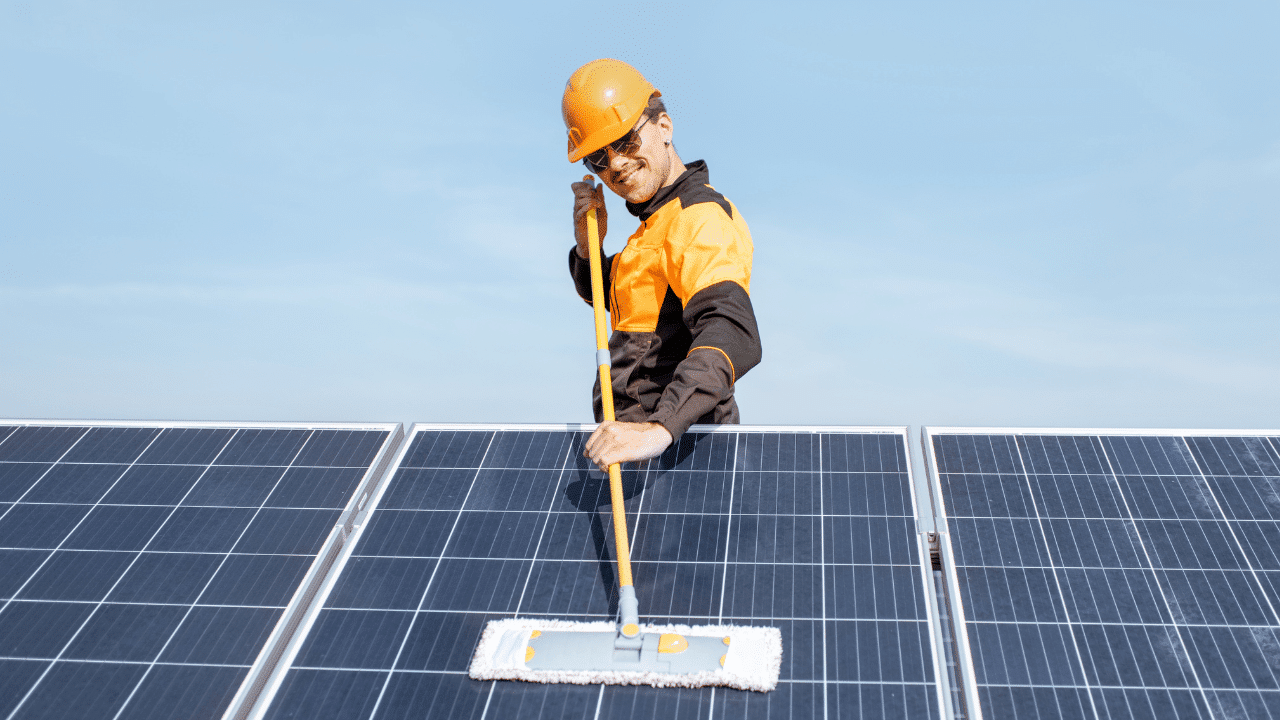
(619, 442)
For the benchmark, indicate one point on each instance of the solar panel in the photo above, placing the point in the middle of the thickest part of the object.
(144, 566)
(809, 530)
(1114, 573)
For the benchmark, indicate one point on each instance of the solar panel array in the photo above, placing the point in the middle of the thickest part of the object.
(810, 532)
(143, 567)
(1112, 575)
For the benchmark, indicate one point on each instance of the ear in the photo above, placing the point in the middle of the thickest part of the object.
(663, 121)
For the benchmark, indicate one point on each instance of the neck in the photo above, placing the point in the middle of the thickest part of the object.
(677, 167)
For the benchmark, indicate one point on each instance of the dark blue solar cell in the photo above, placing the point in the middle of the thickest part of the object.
(112, 445)
(1041, 702)
(418, 533)
(1247, 498)
(187, 446)
(39, 629)
(75, 484)
(269, 580)
(998, 542)
(288, 532)
(420, 695)
(342, 448)
(650, 702)
(500, 534)
(117, 527)
(263, 447)
(443, 641)
(307, 487)
(77, 575)
(866, 494)
(1093, 543)
(75, 690)
(221, 635)
(875, 540)
(1046, 651)
(166, 578)
(479, 585)
(432, 489)
(794, 452)
(1132, 655)
(693, 491)
(845, 452)
(447, 449)
(1112, 595)
(1017, 594)
(975, 495)
(1232, 704)
(701, 538)
(153, 485)
(39, 444)
(1190, 544)
(876, 701)
(565, 702)
(16, 677)
(327, 695)
(184, 692)
(125, 633)
(1077, 496)
(1233, 657)
(16, 566)
(767, 591)
(39, 526)
(1061, 455)
(1261, 541)
(233, 486)
(202, 529)
(1216, 597)
(379, 582)
(863, 592)
(693, 451)
(534, 490)
(529, 450)
(368, 639)
(17, 478)
(569, 588)
(871, 651)
(754, 538)
(1185, 497)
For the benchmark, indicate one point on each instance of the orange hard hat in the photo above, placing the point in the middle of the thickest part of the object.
(602, 102)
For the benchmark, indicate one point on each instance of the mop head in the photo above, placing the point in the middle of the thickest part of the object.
(751, 662)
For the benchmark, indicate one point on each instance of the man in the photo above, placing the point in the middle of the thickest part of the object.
(683, 328)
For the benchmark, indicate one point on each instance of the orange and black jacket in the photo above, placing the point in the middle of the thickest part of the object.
(677, 294)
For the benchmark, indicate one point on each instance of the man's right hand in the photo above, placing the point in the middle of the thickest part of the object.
(586, 195)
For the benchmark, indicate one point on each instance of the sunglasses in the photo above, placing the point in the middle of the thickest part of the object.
(598, 161)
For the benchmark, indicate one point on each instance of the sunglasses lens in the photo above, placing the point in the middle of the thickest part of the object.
(598, 161)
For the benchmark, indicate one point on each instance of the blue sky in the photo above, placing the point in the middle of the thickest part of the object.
(988, 214)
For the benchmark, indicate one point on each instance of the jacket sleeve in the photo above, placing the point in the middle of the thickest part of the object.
(713, 271)
(580, 269)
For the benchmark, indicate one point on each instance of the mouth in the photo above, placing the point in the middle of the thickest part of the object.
(624, 178)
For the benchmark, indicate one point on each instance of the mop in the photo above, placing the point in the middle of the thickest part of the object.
(625, 652)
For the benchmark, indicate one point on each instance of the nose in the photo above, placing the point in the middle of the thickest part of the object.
(616, 160)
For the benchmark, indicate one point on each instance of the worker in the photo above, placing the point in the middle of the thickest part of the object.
(684, 331)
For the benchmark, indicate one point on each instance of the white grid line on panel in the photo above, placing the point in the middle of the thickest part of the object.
(1253, 572)
(1164, 596)
(1057, 581)
(311, 434)
(399, 651)
(822, 544)
(97, 605)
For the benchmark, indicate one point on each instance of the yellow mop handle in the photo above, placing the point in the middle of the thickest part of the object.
(606, 397)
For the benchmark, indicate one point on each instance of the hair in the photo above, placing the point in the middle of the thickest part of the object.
(655, 106)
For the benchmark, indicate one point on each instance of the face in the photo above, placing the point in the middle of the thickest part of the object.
(637, 175)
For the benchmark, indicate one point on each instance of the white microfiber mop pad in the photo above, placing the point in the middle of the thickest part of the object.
(752, 661)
